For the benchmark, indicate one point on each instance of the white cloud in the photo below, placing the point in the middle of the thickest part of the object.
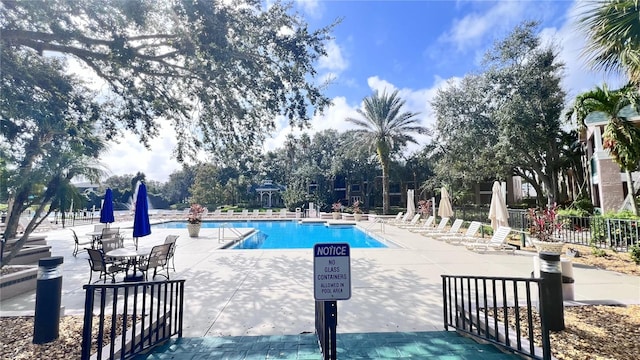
(578, 77)
(130, 156)
(334, 61)
(473, 28)
(312, 8)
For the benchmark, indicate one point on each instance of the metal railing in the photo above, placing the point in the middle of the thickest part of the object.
(497, 310)
(598, 231)
(326, 323)
(134, 317)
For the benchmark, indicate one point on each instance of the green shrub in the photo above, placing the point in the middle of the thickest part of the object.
(635, 254)
(597, 252)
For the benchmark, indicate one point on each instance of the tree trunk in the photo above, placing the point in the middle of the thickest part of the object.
(632, 193)
(385, 187)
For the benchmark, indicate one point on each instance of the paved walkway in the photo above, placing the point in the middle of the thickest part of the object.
(270, 292)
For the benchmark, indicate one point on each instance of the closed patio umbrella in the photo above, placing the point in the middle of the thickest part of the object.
(498, 211)
(411, 204)
(106, 212)
(141, 225)
(445, 210)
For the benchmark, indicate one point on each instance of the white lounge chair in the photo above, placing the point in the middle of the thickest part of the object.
(498, 242)
(230, 213)
(425, 225)
(283, 213)
(217, 213)
(268, 213)
(439, 229)
(256, 212)
(468, 236)
(395, 219)
(412, 223)
(454, 229)
(245, 213)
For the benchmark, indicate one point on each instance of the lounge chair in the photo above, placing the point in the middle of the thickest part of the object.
(283, 213)
(438, 229)
(78, 243)
(427, 224)
(230, 213)
(498, 242)
(268, 213)
(399, 217)
(245, 213)
(411, 223)
(454, 229)
(468, 236)
(256, 213)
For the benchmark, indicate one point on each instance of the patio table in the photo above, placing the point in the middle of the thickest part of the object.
(131, 258)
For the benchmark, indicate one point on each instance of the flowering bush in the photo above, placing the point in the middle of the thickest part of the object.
(356, 207)
(424, 207)
(337, 206)
(195, 214)
(543, 223)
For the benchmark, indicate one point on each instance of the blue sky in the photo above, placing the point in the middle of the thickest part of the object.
(414, 47)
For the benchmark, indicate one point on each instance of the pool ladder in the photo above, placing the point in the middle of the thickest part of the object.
(221, 230)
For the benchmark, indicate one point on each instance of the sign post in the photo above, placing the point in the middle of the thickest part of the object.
(332, 272)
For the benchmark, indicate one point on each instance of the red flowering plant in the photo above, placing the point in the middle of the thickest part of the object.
(543, 223)
(195, 214)
(424, 207)
(355, 207)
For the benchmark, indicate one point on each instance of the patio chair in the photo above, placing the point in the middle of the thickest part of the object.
(427, 224)
(468, 236)
(230, 213)
(171, 239)
(111, 244)
(157, 258)
(438, 229)
(268, 213)
(283, 213)
(256, 212)
(245, 213)
(498, 242)
(454, 229)
(77, 243)
(97, 262)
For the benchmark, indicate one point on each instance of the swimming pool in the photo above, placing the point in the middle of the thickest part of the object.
(289, 234)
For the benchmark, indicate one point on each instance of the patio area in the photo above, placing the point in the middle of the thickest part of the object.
(270, 292)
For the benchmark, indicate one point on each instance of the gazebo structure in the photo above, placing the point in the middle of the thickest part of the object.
(269, 193)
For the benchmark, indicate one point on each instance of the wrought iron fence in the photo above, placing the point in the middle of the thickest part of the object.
(497, 310)
(598, 231)
(131, 316)
(326, 323)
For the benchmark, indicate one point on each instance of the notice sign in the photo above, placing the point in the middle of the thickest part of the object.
(332, 272)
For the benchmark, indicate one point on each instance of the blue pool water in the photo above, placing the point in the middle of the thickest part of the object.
(289, 234)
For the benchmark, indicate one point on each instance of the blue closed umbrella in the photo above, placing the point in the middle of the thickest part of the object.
(141, 225)
(106, 212)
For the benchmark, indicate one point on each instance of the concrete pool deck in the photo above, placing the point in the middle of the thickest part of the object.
(270, 292)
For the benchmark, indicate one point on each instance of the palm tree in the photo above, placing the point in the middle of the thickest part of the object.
(613, 32)
(386, 129)
(620, 137)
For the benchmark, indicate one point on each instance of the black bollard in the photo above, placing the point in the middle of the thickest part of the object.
(551, 291)
(46, 323)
